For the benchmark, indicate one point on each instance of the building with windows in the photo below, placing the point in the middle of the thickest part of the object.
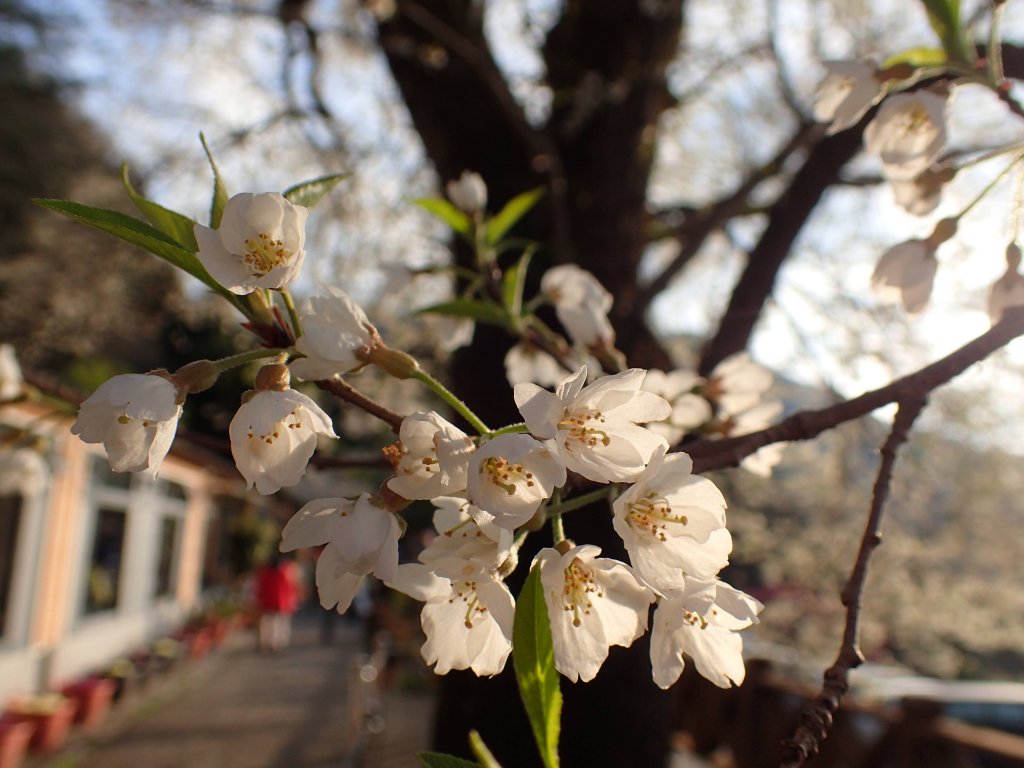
(96, 564)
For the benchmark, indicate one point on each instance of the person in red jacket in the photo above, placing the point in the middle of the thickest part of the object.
(277, 597)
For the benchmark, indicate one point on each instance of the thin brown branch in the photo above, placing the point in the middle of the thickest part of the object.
(717, 454)
(816, 719)
(696, 229)
(346, 392)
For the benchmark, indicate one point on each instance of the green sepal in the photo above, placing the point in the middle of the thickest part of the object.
(220, 191)
(143, 235)
(534, 660)
(514, 210)
(441, 760)
(481, 311)
(309, 193)
(178, 227)
(448, 213)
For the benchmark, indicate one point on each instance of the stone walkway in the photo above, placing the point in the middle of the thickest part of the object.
(303, 708)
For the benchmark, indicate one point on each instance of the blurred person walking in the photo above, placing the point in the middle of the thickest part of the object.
(277, 597)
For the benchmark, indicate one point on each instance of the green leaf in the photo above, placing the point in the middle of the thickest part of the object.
(447, 213)
(179, 228)
(534, 660)
(481, 311)
(309, 193)
(481, 752)
(513, 211)
(220, 191)
(439, 760)
(944, 17)
(512, 283)
(143, 235)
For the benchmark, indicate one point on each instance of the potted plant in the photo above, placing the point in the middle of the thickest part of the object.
(93, 696)
(51, 715)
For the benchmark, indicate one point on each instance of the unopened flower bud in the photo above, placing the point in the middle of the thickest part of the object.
(197, 376)
(393, 362)
(944, 230)
(274, 376)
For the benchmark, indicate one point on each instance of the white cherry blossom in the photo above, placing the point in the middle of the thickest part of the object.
(361, 537)
(905, 273)
(593, 603)
(11, 380)
(260, 243)
(134, 416)
(468, 192)
(510, 476)
(738, 384)
(702, 622)
(335, 336)
(846, 93)
(673, 524)
(467, 615)
(689, 410)
(524, 362)
(908, 133)
(581, 304)
(466, 532)
(595, 429)
(432, 457)
(273, 436)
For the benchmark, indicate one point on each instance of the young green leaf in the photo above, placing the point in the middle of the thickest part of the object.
(534, 660)
(448, 213)
(481, 752)
(512, 283)
(179, 228)
(944, 17)
(143, 235)
(309, 193)
(220, 191)
(481, 311)
(513, 211)
(440, 760)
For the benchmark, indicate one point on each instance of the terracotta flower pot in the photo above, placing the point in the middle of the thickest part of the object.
(50, 725)
(93, 696)
(14, 739)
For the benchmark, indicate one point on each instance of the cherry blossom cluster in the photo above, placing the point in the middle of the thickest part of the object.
(908, 133)
(605, 441)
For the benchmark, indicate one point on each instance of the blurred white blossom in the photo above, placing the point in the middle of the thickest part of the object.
(432, 457)
(468, 192)
(846, 93)
(908, 133)
(11, 380)
(581, 303)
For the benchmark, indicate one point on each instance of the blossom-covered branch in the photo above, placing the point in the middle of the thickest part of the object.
(708, 455)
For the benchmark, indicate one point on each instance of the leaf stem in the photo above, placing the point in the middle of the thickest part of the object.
(512, 429)
(561, 507)
(449, 397)
(293, 314)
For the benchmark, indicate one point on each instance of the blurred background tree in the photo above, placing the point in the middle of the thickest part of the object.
(680, 165)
